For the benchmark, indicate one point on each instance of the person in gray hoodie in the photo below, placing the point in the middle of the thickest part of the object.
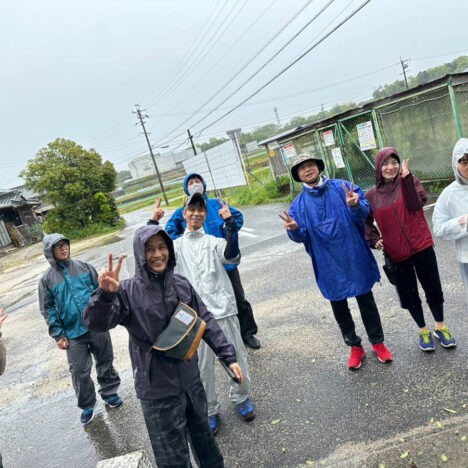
(450, 217)
(64, 292)
(2, 357)
(170, 390)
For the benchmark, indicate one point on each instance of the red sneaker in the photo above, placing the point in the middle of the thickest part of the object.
(382, 352)
(357, 353)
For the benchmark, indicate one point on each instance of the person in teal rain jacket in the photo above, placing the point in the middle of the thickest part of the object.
(328, 217)
(64, 292)
(214, 225)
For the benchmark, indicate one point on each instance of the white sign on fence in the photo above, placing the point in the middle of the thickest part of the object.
(328, 139)
(366, 136)
(220, 167)
(338, 158)
(289, 150)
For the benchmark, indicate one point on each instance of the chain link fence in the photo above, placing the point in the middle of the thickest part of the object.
(422, 125)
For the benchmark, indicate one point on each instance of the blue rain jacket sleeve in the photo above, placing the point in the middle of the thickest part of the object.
(333, 234)
(175, 227)
(50, 312)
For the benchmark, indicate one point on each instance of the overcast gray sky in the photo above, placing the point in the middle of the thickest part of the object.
(75, 69)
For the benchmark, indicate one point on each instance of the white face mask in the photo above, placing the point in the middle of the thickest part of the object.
(195, 188)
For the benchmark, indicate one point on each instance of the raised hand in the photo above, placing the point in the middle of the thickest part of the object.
(224, 212)
(405, 168)
(352, 198)
(158, 212)
(109, 279)
(289, 223)
(2, 317)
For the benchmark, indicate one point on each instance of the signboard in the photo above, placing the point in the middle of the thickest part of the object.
(272, 153)
(366, 136)
(328, 139)
(289, 150)
(220, 166)
(338, 158)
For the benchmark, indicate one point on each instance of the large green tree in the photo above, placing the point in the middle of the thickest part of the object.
(76, 182)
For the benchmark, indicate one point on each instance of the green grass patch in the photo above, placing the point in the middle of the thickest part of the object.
(94, 230)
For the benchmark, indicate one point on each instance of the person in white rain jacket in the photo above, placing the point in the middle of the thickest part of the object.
(450, 218)
(200, 257)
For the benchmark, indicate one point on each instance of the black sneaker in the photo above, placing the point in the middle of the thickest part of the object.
(88, 414)
(252, 342)
(114, 401)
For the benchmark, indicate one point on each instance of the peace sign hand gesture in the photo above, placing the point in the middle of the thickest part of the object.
(405, 168)
(352, 198)
(289, 223)
(158, 212)
(224, 212)
(109, 279)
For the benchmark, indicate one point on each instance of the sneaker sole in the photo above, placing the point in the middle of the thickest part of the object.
(114, 406)
(360, 364)
(451, 345)
(381, 360)
(250, 417)
(427, 350)
(92, 416)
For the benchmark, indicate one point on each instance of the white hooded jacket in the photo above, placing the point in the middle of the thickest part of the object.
(200, 258)
(453, 204)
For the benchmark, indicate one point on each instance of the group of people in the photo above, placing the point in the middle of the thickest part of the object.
(193, 262)
(338, 225)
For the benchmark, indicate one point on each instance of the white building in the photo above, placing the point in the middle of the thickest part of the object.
(142, 166)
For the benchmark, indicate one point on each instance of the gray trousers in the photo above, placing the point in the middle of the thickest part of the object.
(79, 359)
(206, 363)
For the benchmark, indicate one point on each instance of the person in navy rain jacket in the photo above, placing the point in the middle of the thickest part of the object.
(328, 217)
(214, 225)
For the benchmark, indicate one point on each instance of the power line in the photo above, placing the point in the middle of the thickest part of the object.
(282, 71)
(225, 54)
(307, 3)
(191, 50)
(196, 60)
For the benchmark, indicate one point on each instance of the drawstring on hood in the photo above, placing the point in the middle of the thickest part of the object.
(460, 149)
(48, 245)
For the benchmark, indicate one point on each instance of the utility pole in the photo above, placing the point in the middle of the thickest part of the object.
(191, 142)
(142, 123)
(404, 66)
(275, 110)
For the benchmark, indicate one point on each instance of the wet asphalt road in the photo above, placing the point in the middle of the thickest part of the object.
(327, 414)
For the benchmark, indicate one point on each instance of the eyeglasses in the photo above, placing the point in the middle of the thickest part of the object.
(61, 245)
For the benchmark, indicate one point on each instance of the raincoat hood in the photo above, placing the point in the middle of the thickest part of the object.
(48, 243)
(380, 158)
(460, 148)
(189, 176)
(140, 238)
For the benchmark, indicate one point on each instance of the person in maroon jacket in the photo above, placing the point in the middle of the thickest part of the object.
(396, 203)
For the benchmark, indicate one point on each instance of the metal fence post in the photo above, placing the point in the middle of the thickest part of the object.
(453, 101)
(345, 153)
(375, 118)
(322, 154)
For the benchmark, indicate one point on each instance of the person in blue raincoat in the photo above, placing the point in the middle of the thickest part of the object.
(328, 217)
(214, 225)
